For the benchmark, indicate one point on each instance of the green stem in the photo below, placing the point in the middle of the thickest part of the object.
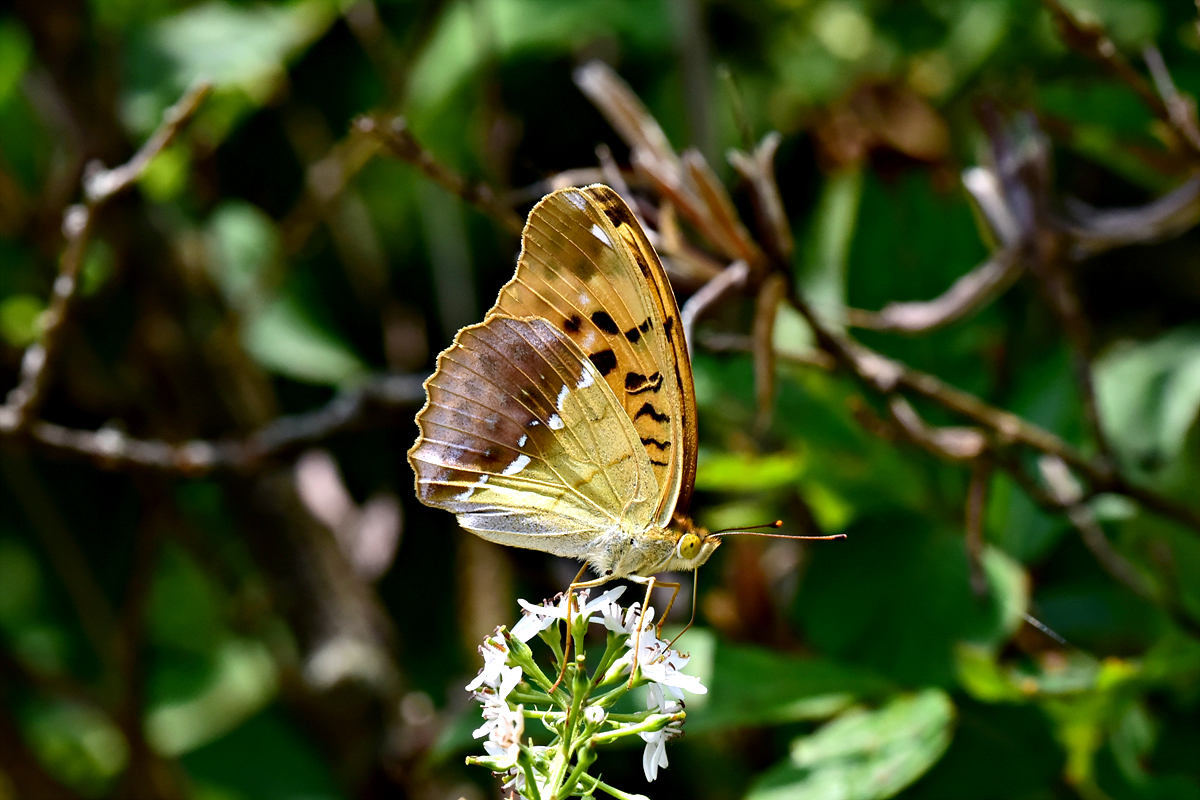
(595, 783)
(653, 723)
(526, 765)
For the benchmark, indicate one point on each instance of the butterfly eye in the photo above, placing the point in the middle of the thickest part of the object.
(689, 546)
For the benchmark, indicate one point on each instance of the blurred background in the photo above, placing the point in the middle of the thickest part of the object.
(962, 327)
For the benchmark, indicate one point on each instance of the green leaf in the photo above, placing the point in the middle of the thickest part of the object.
(14, 56)
(20, 319)
(240, 49)
(896, 597)
(264, 759)
(751, 686)
(863, 755)
(741, 472)
(1149, 395)
(285, 340)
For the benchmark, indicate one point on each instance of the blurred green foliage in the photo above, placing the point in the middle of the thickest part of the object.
(150, 645)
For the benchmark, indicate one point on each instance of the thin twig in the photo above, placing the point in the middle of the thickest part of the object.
(887, 376)
(113, 449)
(967, 295)
(732, 277)
(99, 186)
(757, 168)
(766, 305)
(981, 473)
(400, 142)
(1092, 40)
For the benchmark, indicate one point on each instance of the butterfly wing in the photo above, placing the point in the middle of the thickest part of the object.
(525, 442)
(587, 267)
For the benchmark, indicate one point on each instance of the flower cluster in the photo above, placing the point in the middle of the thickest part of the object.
(583, 710)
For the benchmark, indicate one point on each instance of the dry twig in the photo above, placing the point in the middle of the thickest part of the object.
(400, 142)
(99, 186)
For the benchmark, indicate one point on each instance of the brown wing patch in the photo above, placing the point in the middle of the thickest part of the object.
(518, 423)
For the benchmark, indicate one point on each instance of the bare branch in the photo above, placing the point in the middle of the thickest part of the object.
(981, 473)
(99, 186)
(952, 444)
(1094, 231)
(967, 295)
(400, 142)
(758, 170)
(732, 277)
(112, 449)
(1092, 40)
(887, 376)
(770, 294)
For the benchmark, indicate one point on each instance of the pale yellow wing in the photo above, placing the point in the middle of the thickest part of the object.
(587, 267)
(525, 442)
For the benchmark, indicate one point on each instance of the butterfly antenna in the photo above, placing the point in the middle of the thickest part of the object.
(753, 530)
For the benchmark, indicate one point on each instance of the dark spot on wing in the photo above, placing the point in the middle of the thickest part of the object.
(646, 325)
(661, 445)
(633, 334)
(669, 326)
(616, 214)
(604, 360)
(641, 261)
(635, 382)
(572, 323)
(659, 463)
(604, 322)
(648, 410)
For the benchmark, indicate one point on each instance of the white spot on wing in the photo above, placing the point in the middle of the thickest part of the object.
(585, 380)
(554, 423)
(576, 199)
(518, 464)
(471, 489)
(521, 442)
(562, 397)
(601, 235)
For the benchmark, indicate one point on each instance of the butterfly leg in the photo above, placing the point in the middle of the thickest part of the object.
(572, 589)
(693, 617)
(674, 587)
(637, 638)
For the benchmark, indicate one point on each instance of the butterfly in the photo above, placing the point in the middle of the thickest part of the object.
(566, 420)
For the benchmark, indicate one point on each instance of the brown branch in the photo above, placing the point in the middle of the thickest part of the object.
(981, 473)
(967, 295)
(112, 449)
(758, 170)
(766, 306)
(1093, 231)
(731, 278)
(1092, 40)
(99, 186)
(887, 376)
(400, 142)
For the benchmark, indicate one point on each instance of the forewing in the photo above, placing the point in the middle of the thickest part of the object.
(587, 267)
(524, 441)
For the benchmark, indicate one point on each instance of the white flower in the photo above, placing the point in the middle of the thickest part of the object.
(539, 618)
(656, 698)
(655, 754)
(495, 673)
(661, 665)
(503, 726)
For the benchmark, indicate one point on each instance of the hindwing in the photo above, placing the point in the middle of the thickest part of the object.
(522, 438)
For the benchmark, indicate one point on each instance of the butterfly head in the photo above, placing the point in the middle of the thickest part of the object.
(693, 546)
